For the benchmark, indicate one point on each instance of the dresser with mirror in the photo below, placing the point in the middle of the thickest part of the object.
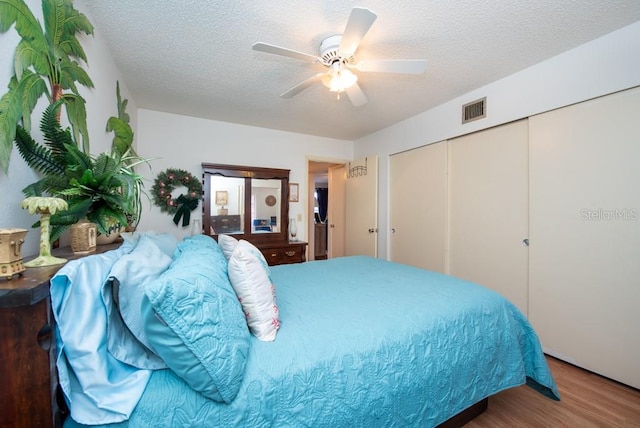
(251, 203)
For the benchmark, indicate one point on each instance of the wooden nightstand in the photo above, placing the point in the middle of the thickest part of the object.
(27, 348)
(27, 355)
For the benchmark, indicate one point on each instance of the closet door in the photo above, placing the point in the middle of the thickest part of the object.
(585, 234)
(418, 202)
(488, 210)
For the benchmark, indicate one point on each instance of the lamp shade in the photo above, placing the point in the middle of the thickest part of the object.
(340, 79)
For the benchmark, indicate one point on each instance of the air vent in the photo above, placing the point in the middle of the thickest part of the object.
(474, 110)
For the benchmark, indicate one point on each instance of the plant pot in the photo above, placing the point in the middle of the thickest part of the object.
(83, 237)
(108, 239)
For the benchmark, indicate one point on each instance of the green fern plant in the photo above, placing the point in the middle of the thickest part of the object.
(95, 188)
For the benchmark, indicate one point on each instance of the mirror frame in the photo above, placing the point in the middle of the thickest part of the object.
(248, 173)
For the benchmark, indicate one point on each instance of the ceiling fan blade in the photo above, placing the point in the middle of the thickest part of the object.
(360, 20)
(357, 97)
(404, 66)
(302, 86)
(277, 50)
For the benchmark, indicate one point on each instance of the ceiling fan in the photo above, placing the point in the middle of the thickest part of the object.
(337, 55)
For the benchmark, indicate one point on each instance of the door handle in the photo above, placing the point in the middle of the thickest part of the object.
(525, 242)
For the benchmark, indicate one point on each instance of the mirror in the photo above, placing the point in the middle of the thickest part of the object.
(227, 204)
(265, 205)
(248, 202)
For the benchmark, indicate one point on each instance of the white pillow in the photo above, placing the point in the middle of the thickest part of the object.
(228, 243)
(249, 275)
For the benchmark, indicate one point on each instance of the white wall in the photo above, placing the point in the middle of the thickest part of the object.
(185, 142)
(101, 104)
(605, 65)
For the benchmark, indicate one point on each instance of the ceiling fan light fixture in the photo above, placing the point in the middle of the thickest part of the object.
(339, 80)
(337, 54)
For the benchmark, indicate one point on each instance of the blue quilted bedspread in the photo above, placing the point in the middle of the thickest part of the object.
(365, 343)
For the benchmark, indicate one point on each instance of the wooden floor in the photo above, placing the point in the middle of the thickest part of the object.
(587, 400)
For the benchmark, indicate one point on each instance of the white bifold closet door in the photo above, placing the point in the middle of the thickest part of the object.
(489, 210)
(585, 234)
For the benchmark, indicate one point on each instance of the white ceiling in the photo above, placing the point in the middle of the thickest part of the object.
(194, 57)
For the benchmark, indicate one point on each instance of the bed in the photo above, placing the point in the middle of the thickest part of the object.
(357, 342)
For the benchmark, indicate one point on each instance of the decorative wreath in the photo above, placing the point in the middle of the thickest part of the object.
(181, 207)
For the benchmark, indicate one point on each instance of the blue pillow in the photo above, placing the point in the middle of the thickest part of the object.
(194, 322)
(150, 257)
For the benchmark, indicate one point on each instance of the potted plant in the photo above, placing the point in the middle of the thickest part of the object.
(102, 189)
(122, 147)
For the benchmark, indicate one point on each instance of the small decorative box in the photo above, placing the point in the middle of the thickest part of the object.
(11, 241)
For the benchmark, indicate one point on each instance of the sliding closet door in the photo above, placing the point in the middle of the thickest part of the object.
(418, 203)
(585, 234)
(488, 210)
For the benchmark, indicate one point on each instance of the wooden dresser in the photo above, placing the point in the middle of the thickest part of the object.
(27, 349)
(225, 223)
(284, 253)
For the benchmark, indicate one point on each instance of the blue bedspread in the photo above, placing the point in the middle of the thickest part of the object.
(364, 342)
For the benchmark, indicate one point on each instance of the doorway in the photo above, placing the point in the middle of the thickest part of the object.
(320, 190)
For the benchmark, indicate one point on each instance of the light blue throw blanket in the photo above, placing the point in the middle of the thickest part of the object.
(363, 342)
(102, 368)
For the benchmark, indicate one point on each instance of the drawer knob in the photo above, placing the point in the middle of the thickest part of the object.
(290, 253)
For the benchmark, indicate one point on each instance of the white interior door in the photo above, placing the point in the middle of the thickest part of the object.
(336, 221)
(488, 210)
(418, 207)
(585, 234)
(362, 207)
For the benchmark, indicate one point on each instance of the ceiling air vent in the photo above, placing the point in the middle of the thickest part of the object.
(474, 110)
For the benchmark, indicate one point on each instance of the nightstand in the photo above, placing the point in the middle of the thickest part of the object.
(27, 355)
(27, 352)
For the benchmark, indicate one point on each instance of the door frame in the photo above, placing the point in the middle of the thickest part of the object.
(313, 164)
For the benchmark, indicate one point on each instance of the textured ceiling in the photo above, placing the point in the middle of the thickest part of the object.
(194, 57)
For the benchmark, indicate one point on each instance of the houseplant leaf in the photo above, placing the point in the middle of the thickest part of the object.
(123, 135)
(18, 13)
(30, 53)
(32, 87)
(10, 113)
(19, 99)
(77, 210)
(77, 115)
(49, 54)
(37, 156)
